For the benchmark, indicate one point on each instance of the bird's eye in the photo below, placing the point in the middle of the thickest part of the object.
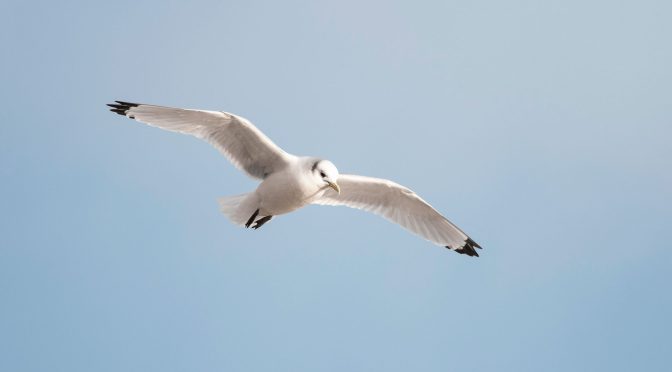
(322, 174)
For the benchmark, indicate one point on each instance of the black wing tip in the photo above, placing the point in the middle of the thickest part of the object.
(473, 243)
(122, 107)
(468, 248)
(129, 104)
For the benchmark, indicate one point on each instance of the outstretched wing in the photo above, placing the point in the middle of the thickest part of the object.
(234, 136)
(402, 206)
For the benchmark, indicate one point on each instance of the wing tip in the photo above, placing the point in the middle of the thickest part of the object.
(468, 248)
(122, 107)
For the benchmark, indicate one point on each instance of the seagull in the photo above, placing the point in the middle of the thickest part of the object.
(290, 182)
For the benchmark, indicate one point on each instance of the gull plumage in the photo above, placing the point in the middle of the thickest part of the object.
(289, 182)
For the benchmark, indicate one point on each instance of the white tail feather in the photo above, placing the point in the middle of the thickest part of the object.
(237, 208)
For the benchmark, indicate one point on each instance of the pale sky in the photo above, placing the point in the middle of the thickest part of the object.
(542, 129)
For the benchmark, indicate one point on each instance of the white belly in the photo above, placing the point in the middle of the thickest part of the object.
(283, 192)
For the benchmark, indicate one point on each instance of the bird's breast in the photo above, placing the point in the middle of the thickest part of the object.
(285, 192)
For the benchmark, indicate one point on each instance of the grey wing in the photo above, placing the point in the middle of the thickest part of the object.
(402, 206)
(234, 136)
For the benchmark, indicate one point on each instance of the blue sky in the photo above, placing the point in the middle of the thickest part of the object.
(541, 128)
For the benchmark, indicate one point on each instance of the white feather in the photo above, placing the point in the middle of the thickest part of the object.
(234, 136)
(397, 204)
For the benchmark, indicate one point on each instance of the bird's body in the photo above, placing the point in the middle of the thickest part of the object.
(291, 182)
(287, 189)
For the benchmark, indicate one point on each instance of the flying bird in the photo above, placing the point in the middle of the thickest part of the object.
(289, 182)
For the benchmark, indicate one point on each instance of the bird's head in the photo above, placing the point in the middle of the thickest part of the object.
(326, 173)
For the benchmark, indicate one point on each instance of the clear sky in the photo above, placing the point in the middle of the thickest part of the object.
(542, 128)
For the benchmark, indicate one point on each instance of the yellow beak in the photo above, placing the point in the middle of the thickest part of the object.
(334, 186)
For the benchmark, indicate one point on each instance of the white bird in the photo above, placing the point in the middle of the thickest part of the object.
(290, 182)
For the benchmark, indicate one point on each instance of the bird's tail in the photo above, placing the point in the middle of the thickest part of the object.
(238, 208)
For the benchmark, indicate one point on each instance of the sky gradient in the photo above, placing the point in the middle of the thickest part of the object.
(542, 129)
